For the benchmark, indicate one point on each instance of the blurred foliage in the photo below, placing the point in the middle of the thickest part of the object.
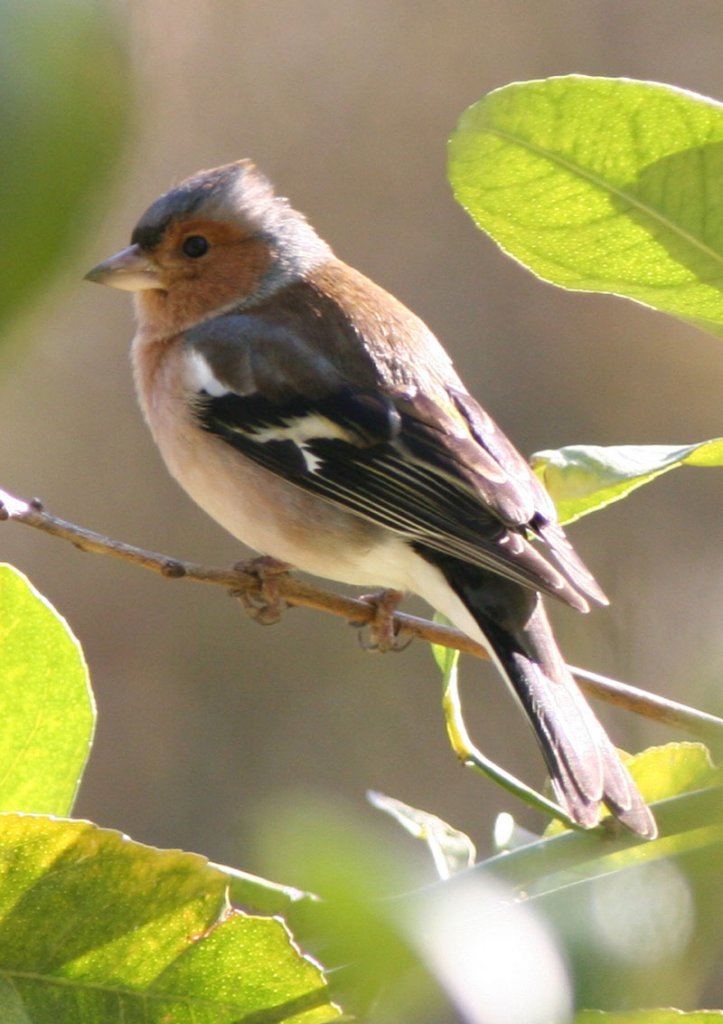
(452, 851)
(64, 113)
(648, 1017)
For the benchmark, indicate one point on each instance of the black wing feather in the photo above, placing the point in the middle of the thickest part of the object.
(387, 469)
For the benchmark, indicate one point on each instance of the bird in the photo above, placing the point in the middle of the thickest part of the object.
(321, 422)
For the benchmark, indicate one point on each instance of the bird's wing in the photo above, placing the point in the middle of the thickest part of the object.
(438, 472)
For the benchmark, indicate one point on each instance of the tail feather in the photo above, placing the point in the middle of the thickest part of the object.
(568, 560)
(584, 766)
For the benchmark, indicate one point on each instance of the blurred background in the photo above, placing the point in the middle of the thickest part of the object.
(206, 720)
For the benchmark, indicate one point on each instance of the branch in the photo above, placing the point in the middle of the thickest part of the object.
(298, 593)
(294, 591)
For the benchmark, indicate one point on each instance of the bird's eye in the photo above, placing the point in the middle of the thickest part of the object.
(195, 246)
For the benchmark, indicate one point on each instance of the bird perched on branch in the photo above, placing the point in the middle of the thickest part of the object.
(322, 423)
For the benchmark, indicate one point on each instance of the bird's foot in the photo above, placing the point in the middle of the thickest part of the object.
(266, 605)
(382, 627)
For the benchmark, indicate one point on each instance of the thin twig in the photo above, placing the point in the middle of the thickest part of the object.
(295, 592)
(642, 702)
(298, 593)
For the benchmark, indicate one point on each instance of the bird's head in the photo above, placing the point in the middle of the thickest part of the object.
(220, 240)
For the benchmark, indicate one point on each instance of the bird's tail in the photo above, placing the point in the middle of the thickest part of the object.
(584, 766)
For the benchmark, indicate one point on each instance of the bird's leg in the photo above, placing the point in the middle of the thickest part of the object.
(382, 628)
(265, 606)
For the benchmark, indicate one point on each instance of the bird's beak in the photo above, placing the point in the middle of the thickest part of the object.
(130, 269)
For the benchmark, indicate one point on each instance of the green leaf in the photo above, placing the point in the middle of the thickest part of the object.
(452, 851)
(601, 184)
(672, 769)
(95, 929)
(46, 727)
(583, 478)
(63, 120)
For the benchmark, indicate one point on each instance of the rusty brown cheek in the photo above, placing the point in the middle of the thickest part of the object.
(233, 272)
(230, 274)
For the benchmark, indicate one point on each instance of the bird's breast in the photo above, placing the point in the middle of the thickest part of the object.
(263, 510)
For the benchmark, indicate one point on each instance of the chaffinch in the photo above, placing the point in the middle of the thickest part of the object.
(322, 423)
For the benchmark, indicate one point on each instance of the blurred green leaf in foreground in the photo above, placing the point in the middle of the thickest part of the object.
(63, 118)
